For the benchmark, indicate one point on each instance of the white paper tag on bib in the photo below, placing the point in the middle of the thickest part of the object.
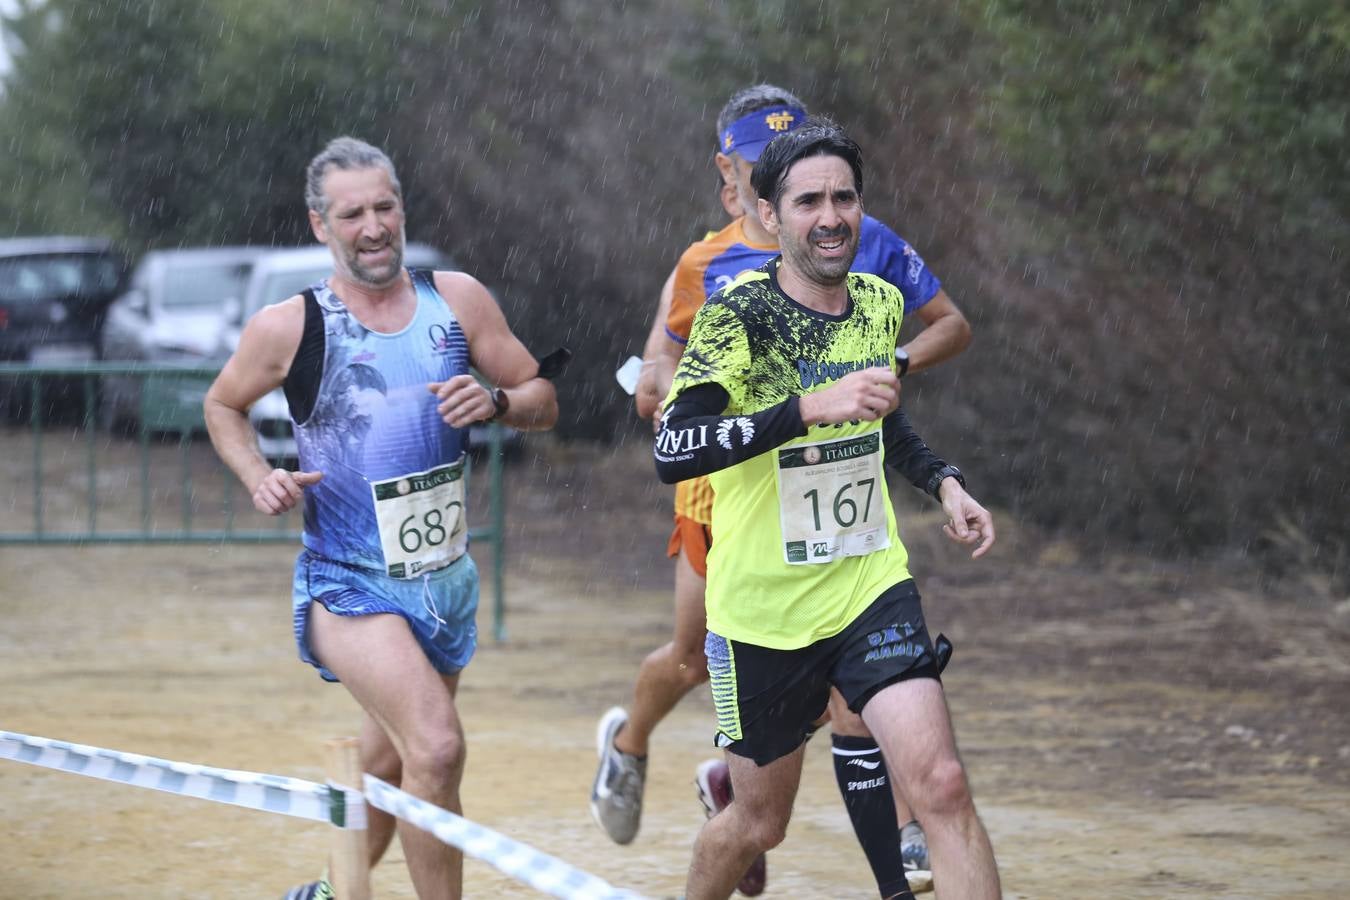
(422, 519)
(831, 499)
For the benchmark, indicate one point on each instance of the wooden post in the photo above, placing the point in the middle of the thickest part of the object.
(349, 868)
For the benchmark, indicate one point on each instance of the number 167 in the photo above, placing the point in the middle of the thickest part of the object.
(843, 505)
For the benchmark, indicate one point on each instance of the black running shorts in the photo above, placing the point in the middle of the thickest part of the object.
(767, 699)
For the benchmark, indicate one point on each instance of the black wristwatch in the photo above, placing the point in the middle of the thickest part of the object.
(941, 474)
(901, 361)
(500, 403)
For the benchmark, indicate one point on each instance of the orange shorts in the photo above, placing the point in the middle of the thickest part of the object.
(695, 538)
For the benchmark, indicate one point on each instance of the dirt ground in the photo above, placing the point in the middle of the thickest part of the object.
(1132, 727)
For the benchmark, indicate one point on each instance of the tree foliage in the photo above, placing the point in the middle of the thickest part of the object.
(1235, 105)
(1142, 207)
(171, 122)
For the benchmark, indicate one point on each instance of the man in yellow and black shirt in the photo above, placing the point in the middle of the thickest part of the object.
(786, 396)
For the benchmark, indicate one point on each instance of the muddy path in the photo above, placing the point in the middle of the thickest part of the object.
(1132, 727)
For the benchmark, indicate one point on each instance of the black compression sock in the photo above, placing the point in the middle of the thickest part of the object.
(866, 789)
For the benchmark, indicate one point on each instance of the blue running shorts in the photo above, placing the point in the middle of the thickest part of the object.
(439, 606)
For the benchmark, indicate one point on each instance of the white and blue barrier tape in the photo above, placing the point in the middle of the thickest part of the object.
(539, 870)
(344, 807)
(340, 806)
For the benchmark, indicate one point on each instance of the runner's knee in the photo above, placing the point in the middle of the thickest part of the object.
(942, 789)
(438, 762)
(692, 665)
(384, 764)
(842, 721)
(764, 832)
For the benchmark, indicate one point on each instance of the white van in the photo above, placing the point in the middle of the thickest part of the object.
(173, 312)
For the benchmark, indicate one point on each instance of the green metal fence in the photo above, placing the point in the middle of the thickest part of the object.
(73, 477)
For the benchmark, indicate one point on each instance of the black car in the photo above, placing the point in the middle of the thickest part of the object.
(54, 292)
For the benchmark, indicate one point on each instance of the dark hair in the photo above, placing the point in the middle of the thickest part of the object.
(753, 98)
(817, 136)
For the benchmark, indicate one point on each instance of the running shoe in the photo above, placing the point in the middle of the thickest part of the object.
(914, 856)
(616, 796)
(315, 890)
(714, 790)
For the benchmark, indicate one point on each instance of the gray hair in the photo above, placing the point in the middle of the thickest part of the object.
(345, 153)
(759, 96)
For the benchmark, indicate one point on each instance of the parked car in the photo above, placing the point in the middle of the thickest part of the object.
(283, 274)
(176, 309)
(54, 293)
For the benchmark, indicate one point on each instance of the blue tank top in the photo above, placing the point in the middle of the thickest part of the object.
(373, 419)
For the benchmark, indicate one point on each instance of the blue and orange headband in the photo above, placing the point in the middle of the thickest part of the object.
(749, 135)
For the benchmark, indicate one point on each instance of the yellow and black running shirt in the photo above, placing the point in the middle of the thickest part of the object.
(804, 536)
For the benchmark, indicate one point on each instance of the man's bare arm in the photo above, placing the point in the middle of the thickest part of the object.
(651, 390)
(502, 359)
(667, 360)
(259, 365)
(945, 333)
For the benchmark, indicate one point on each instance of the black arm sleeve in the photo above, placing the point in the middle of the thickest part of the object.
(302, 378)
(906, 452)
(697, 439)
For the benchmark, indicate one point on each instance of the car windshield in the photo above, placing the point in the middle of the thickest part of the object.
(38, 279)
(203, 285)
(280, 285)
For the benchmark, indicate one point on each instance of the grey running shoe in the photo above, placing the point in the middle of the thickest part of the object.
(616, 796)
(714, 790)
(914, 855)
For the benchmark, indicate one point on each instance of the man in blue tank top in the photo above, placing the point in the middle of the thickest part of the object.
(375, 364)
